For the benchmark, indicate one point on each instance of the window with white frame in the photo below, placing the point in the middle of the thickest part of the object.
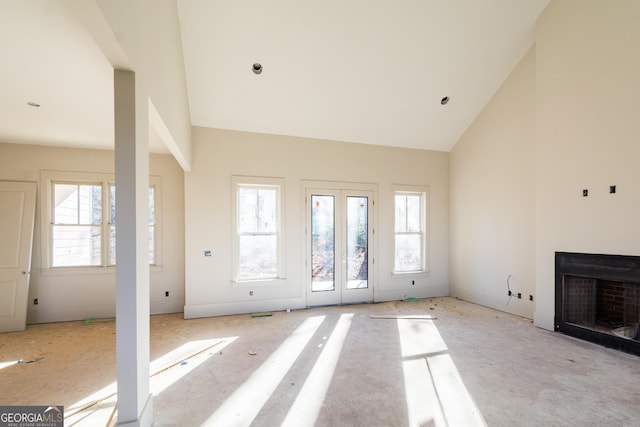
(410, 231)
(153, 188)
(82, 219)
(257, 232)
(76, 226)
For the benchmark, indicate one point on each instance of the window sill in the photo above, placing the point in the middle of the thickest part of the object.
(73, 271)
(258, 282)
(422, 273)
(79, 271)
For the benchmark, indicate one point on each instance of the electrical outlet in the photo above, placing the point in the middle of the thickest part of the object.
(35, 301)
(519, 295)
(166, 294)
(530, 297)
(250, 293)
(413, 282)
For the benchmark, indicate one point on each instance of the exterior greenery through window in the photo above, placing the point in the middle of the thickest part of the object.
(257, 231)
(409, 231)
(83, 224)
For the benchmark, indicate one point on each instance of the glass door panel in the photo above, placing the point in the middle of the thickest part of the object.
(323, 254)
(357, 242)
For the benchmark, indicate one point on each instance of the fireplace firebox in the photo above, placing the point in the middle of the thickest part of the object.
(598, 299)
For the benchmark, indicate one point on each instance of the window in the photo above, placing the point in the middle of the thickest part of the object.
(76, 229)
(152, 224)
(81, 230)
(410, 234)
(257, 235)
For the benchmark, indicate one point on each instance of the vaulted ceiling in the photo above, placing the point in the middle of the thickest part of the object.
(361, 71)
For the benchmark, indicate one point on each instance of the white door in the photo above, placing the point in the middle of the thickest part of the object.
(339, 242)
(17, 213)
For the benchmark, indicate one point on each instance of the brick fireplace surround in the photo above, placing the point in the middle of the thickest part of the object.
(597, 298)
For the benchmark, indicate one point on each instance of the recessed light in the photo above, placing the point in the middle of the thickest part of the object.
(444, 100)
(33, 104)
(256, 68)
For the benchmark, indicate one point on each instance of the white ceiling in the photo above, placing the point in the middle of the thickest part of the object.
(362, 71)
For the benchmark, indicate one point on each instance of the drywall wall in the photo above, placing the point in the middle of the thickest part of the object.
(66, 294)
(218, 155)
(588, 130)
(153, 46)
(492, 199)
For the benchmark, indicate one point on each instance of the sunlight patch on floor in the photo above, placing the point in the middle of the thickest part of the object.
(99, 407)
(306, 407)
(176, 364)
(241, 408)
(434, 391)
(7, 364)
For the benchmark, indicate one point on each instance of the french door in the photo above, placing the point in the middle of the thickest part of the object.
(339, 246)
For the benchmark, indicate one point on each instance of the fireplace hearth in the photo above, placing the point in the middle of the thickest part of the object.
(598, 299)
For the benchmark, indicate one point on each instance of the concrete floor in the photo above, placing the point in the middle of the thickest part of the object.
(334, 366)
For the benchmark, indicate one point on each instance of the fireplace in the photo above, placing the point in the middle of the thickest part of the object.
(598, 299)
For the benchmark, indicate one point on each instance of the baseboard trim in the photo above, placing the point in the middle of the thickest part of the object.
(228, 308)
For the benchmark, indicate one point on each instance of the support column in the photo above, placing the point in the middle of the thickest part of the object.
(132, 251)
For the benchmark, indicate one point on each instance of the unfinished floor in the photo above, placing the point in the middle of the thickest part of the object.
(336, 366)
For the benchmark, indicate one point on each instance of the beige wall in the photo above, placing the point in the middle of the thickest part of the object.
(583, 119)
(588, 129)
(153, 47)
(72, 296)
(218, 155)
(507, 197)
(492, 198)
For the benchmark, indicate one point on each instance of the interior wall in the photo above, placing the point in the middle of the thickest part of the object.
(588, 63)
(69, 295)
(218, 155)
(492, 199)
(153, 45)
